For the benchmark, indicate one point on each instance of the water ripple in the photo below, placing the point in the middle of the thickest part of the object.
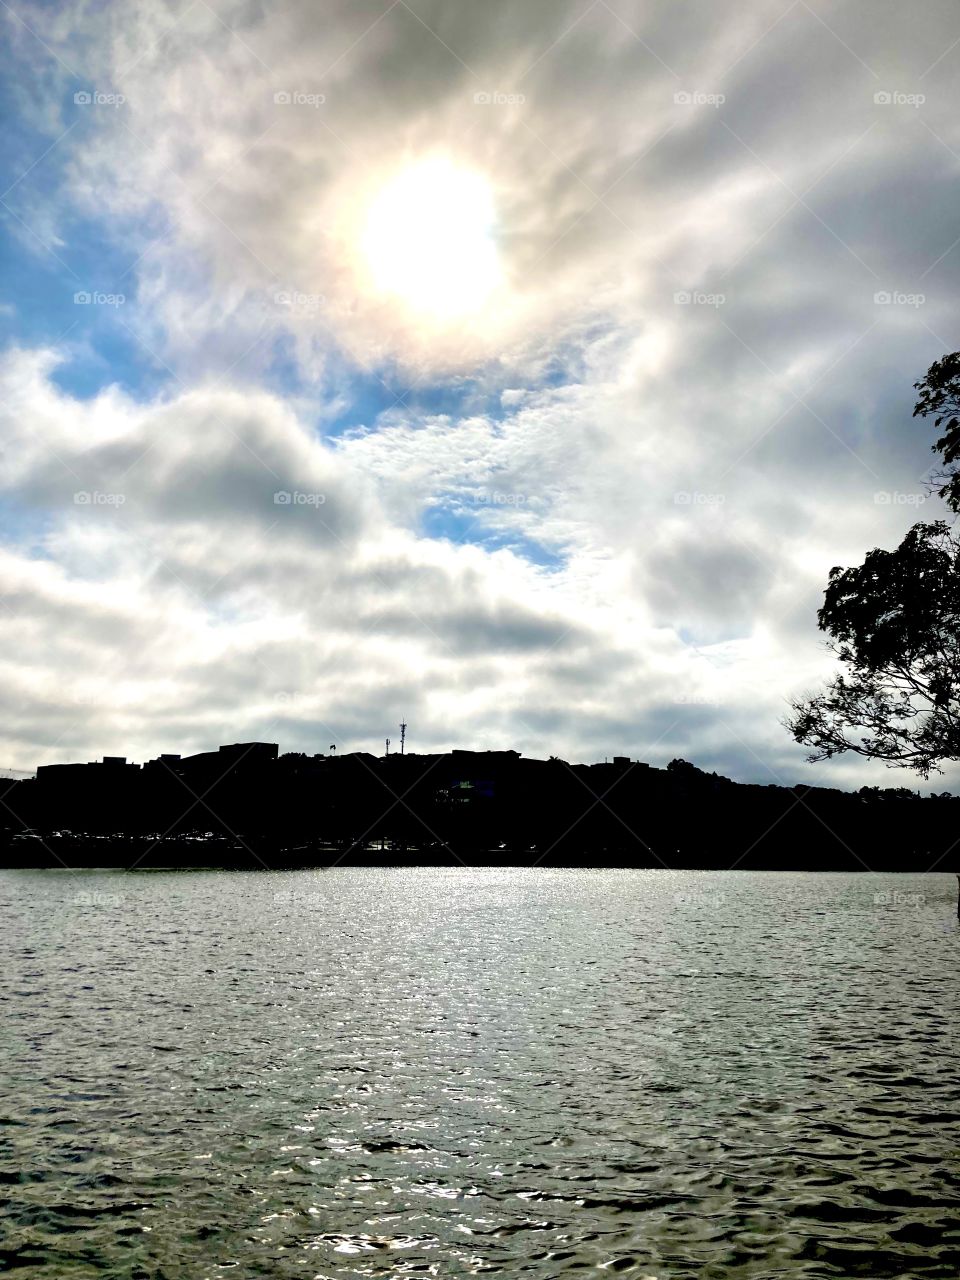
(528, 1073)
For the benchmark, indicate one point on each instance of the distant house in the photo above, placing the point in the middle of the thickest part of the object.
(110, 767)
(237, 757)
(254, 752)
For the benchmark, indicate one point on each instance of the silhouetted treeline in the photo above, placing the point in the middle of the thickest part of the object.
(245, 806)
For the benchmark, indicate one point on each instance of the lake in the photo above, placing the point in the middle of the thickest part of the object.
(406, 1072)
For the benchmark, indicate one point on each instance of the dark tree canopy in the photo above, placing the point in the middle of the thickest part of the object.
(894, 623)
(940, 396)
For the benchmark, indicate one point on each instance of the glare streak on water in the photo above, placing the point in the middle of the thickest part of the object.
(448, 1073)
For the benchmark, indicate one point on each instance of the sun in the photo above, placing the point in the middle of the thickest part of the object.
(428, 240)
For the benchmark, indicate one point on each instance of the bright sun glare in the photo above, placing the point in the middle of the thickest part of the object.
(428, 239)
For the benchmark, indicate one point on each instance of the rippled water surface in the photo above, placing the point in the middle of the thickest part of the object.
(445, 1073)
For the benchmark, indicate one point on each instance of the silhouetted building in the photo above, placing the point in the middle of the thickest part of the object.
(460, 806)
(91, 771)
(247, 756)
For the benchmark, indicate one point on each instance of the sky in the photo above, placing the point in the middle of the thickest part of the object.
(517, 370)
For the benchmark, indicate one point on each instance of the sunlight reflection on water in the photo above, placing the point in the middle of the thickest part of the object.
(445, 1073)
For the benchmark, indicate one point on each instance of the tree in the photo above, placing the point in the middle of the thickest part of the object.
(895, 624)
(940, 395)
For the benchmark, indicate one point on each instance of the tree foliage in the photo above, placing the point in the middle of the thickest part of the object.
(940, 397)
(894, 623)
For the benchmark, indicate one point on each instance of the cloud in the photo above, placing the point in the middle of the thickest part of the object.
(250, 144)
(195, 609)
(619, 484)
(174, 593)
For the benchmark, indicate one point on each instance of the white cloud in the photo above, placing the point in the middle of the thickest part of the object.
(611, 194)
(682, 395)
(182, 606)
